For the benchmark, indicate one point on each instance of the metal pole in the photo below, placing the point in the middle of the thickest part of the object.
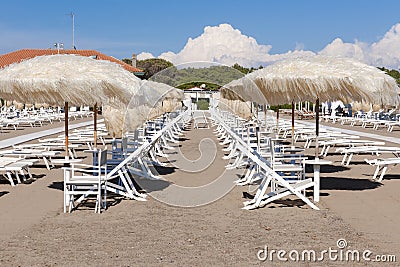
(73, 30)
(316, 127)
(292, 123)
(66, 129)
(277, 121)
(265, 115)
(95, 125)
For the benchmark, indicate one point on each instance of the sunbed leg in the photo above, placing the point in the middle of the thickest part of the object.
(349, 159)
(18, 180)
(383, 173)
(10, 179)
(376, 172)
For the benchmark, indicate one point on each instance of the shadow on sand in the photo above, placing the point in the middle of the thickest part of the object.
(143, 185)
(2, 193)
(327, 169)
(349, 184)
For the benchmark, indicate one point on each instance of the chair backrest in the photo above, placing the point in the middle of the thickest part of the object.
(102, 157)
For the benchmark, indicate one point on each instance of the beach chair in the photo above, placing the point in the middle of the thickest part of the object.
(200, 120)
(382, 166)
(279, 187)
(15, 166)
(392, 124)
(346, 142)
(305, 114)
(373, 150)
(84, 180)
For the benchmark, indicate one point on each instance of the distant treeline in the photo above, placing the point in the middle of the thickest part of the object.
(213, 77)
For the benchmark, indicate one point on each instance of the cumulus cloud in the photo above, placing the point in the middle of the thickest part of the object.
(226, 45)
(145, 55)
(385, 52)
(341, 49)
(222, 44)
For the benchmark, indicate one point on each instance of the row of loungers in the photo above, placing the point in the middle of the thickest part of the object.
(274, 169)
(17, 160)
(375, 122)
(347, 145)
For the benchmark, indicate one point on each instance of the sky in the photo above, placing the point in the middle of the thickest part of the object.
(251, 33)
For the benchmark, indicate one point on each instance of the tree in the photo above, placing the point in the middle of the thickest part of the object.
(153, 65)
(127, 61)
(240, 68)
(394, 73)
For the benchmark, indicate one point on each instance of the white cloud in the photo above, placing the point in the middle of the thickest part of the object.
(341, 49)
(145, 55)
(222, 44)
(385, 52)
(226, 45)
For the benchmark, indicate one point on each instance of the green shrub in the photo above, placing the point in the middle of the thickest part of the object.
(202, 104)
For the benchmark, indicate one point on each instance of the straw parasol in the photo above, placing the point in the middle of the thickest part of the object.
(38, 105)
(150, 100)
(317, 78)
(240, 108)
(63, 79)
(8, 103)
(18, 105)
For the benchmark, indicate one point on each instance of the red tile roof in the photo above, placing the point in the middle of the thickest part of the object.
(20, 55)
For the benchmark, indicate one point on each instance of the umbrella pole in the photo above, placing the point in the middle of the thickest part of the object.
(292, 123)
(265, 115)
(66, 129)
(277, 121)
(316, 128)
(95, 125)
(257, 112)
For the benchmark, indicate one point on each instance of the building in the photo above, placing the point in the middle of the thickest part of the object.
(197, 93)
(24, 54)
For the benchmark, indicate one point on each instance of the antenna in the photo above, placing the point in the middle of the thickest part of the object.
(72, 15)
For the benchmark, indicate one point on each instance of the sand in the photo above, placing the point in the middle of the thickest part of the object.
(35, 232)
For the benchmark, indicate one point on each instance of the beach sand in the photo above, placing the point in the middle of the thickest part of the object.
(35, 232)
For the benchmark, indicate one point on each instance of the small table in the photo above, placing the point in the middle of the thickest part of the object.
(316, 164)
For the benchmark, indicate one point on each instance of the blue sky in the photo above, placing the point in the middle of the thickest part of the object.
(121, 27)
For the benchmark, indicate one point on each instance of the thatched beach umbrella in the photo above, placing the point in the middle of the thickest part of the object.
(38, 105)
(318, 78)
(63, 79)
(18, 105)
(148, 101)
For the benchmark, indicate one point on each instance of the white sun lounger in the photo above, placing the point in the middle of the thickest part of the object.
(16, 166)
(326, 145)
(46, 155)
(382, 166)
(349, 152)
(280, 187)
(200, 120)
